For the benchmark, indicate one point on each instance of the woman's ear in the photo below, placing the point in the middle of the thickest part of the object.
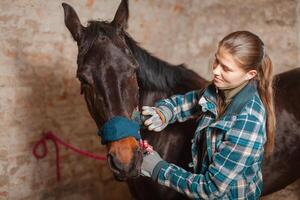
(251, 74)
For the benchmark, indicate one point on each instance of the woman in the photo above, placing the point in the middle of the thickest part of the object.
(235, 127)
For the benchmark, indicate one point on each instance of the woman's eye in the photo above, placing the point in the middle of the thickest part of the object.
(226, 69)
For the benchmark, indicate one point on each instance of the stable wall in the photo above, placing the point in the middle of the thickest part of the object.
(38, 89)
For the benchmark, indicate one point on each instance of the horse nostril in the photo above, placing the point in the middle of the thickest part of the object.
(113, 163)
(109, 156)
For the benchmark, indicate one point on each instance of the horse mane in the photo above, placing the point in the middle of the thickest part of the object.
(155, 74)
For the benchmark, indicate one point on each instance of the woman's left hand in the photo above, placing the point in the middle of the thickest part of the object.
(150, 160)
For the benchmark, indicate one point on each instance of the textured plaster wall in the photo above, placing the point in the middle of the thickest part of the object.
(38, 89)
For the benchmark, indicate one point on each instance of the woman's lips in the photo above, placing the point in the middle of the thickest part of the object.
(217, 79)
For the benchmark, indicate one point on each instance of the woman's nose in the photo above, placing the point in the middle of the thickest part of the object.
(217, 70)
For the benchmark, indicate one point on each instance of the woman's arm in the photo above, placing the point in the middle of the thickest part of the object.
(182, 107)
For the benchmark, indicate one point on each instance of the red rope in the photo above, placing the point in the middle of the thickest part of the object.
(51, 136)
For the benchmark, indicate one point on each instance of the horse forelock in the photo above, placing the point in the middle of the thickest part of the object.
(91, 34)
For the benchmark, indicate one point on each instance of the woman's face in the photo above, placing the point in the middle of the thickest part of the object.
(227, 73)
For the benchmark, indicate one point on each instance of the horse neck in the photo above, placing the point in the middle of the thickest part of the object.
(158, 79)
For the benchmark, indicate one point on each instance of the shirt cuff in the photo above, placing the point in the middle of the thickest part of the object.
(157, 168)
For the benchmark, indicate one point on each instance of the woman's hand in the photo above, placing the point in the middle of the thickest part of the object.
(152, 162)
(160, 116)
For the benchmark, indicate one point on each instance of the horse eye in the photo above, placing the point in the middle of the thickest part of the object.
(102, 38)
(82, 79)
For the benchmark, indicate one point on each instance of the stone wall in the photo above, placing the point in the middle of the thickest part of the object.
(38, 89)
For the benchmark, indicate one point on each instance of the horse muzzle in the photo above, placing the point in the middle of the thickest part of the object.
(122, 170)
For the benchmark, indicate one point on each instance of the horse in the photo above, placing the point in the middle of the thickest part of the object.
(118, 77)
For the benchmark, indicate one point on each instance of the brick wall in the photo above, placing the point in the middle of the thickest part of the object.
(38, 89)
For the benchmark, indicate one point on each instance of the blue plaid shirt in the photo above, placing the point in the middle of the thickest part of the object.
(230, 165)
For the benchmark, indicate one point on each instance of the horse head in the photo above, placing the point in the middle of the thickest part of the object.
(107, 72)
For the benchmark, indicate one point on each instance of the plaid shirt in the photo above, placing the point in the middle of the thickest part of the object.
(230, 165)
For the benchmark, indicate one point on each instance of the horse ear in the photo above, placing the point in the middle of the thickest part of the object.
(122, 15)
(72, 21)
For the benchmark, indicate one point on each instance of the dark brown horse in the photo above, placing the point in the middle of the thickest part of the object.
(118, 76)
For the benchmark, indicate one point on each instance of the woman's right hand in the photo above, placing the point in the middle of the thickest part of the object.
(160, 116)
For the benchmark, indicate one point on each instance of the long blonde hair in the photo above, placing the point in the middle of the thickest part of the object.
(249, 52)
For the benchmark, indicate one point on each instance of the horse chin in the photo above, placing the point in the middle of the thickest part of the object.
(120, 178)
(123, 177)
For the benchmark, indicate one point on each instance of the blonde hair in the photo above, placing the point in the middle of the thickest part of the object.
(249, 52)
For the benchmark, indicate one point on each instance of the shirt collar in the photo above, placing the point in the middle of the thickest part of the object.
(230, 93)
(209, 98)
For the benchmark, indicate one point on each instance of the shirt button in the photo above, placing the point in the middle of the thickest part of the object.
(191, 164)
